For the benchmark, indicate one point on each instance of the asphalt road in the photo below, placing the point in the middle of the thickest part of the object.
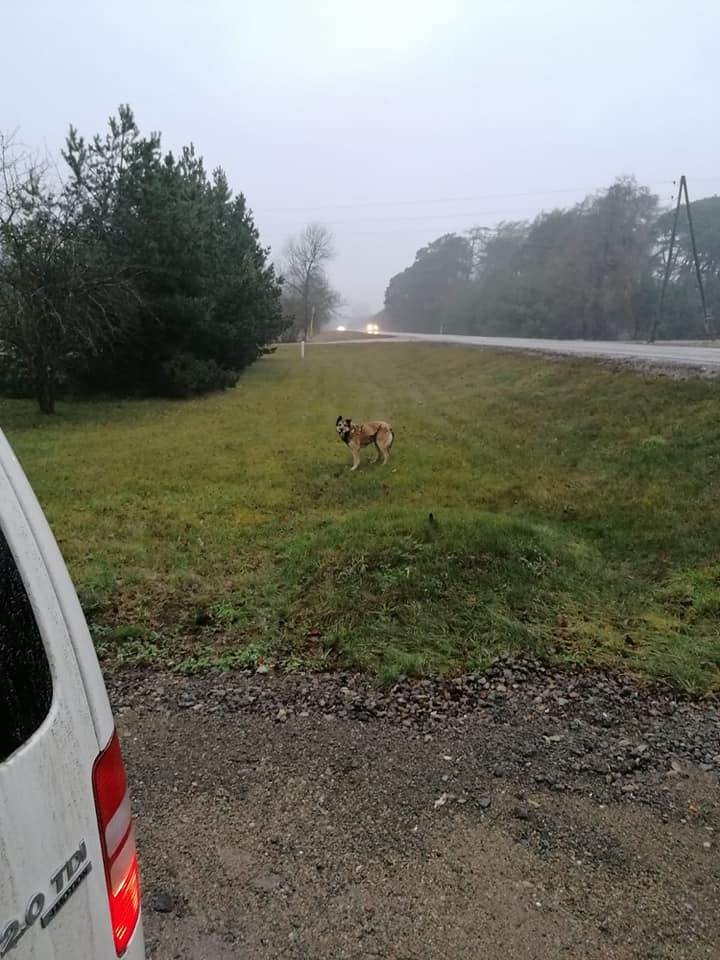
(658, 354)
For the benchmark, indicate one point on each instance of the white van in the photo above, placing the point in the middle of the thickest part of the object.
(69, 887)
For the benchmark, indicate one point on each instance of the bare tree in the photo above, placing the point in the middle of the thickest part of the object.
(308, 293)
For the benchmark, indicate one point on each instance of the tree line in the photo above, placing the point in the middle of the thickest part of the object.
(591, 271)
(128, 270)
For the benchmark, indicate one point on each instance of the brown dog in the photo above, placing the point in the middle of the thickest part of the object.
(357, 435)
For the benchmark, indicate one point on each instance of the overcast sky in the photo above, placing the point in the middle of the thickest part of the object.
(393, 121)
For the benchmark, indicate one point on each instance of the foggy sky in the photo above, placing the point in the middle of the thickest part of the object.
(393, 121)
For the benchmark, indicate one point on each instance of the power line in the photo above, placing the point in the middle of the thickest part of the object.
(465, 214)
(456, 220)
(459, 222)
(469, 198)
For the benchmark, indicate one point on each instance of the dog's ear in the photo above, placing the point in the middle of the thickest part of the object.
(339, 420)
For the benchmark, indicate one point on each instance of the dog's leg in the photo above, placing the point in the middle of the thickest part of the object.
(356, 458)
(379, 456)
(384, 448)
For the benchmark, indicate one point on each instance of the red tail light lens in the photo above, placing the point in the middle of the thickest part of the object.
(112, 802)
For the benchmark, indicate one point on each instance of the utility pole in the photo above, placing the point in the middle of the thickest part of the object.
(709, 332)
(668, 265)
(707, 326)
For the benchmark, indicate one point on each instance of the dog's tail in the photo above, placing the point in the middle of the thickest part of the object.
(392, 438)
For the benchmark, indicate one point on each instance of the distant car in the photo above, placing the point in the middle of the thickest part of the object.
(340, 329)
(69, 884)
(372, 328)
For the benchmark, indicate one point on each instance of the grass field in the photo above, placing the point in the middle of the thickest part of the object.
(576, 516)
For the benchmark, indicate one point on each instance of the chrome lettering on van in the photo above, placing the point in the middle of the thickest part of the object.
(64, 883)
(68, 870)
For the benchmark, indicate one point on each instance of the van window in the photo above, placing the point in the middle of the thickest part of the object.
(25, 681)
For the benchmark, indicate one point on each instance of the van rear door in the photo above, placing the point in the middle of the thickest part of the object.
(53, 884)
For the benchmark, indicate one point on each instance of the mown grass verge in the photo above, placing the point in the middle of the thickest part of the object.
(573, 515)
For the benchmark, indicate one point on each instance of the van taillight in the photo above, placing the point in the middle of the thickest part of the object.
(112, 802)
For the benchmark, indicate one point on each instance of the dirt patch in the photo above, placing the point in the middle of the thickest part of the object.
(285, 832)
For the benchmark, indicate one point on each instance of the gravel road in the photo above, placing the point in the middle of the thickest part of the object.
(524, 814)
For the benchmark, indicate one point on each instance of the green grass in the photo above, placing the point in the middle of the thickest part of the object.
(576, 516)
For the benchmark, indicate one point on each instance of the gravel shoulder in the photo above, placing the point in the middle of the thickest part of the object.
(524, 813)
